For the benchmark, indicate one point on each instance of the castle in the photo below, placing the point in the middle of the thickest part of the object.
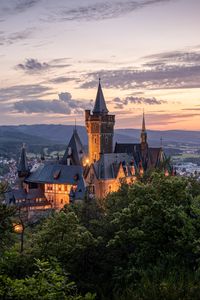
(52, 184)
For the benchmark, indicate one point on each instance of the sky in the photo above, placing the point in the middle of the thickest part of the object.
(146, 52)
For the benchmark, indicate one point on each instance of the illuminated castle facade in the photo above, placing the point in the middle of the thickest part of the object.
(52, 184)
(110, 166)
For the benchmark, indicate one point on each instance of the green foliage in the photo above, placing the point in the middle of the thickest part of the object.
(143, 242)
(6, 227)
(47, 283)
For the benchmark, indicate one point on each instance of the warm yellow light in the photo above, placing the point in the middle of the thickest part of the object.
(166, 173)
(86, 162)
(18, 228)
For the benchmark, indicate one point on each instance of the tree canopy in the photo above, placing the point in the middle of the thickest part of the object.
(142, 242)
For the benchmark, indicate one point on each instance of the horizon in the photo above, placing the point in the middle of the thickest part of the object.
(147, 54)
(79, 125)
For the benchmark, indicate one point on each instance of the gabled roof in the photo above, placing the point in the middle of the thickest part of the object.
(53, 172)
(75, 150)
(100, 104)
(109, 164)
(23, 165)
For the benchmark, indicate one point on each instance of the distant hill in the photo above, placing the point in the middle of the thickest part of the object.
(57, 136)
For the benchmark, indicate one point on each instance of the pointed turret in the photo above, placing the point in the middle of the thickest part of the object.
(143, 123)
(100, 104)
(75, 151)
(23, 169)
(143, 137)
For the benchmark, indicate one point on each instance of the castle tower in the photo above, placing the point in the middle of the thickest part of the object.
(143, 136)
(100, 128)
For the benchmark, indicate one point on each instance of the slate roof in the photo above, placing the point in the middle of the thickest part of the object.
(108, 165)
(100, 104)
(151, 159)
(22, 199)
(56, 173)
(77, 150)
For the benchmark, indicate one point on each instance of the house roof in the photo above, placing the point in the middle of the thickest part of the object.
(56, 173)
(109, 164)
(21, 198)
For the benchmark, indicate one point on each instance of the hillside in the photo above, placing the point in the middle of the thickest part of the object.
(57, 136)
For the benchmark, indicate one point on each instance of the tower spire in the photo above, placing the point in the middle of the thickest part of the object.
(143, 136)
(100, 104)
(143, 122)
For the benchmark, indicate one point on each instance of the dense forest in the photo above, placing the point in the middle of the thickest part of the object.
(142, 242)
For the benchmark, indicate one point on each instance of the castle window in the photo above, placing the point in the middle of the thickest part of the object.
(95, 156)
(106, 140)
(49, 187)
(95, 140)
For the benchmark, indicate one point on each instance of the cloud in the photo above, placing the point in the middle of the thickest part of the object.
(157, 119)
(102, 10)
(121, 103)
(61, 79)
(24, 91)
(16, 6)
(64, 105)
(32, 65)
(191, 109)
(15, 37)
(180, 57)
(171, 70)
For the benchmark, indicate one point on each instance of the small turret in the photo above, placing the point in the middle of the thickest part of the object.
(22, 169)
(74, 153)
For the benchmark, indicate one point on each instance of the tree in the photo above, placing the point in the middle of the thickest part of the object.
(157, 232)
(47, 283)
(6, 226)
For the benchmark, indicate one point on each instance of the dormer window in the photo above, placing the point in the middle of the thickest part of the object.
(56, 174)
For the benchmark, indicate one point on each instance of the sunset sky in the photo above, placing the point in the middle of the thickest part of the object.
(147, 53)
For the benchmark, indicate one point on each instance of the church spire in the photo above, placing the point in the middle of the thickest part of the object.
(143, 123)
(143, 136)
(100, 104)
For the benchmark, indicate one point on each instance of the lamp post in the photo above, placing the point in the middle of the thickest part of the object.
(19, 229)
